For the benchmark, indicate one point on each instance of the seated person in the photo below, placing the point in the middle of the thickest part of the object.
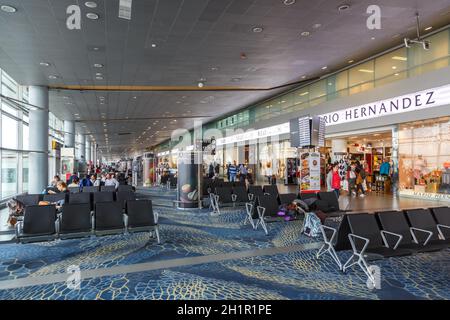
(62, 188)
(75, 182)
(52, 185)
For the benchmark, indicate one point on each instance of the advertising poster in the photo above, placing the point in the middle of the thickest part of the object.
(188, 184)
(309, 172)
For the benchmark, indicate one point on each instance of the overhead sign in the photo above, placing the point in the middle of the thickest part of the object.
(255, 134)
(434, 97)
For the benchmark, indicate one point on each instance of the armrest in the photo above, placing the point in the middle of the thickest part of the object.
(399, 236)
(251, 196)
(249, 207)
(440, 227)
(412, 229)
(261, 211)
(322, 228)
(352, 237)
(234, 197)
(18, 228)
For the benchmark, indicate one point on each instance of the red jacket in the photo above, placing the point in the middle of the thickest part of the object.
(336, 181)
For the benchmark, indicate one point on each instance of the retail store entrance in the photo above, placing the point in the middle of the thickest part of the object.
(371, 152)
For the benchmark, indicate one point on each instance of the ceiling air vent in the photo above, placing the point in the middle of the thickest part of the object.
(125, 9)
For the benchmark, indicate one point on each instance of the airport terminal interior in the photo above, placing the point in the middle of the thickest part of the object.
(224, 150)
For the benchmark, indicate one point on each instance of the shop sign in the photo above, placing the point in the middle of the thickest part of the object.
(425, 195)
(255, 134)
(434, 97)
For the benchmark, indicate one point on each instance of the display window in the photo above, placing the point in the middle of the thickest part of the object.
(424, 159)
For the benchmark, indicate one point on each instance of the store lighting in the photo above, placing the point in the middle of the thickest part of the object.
(350, 61)
(44, 64)
(400, 58)
(90, 4)
(288, 2)
(428, 28)
(305, 33)
(98, 65)
(304, 93)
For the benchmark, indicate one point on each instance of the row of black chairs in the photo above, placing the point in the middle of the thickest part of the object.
(43, 223)
(387, 234)
(123, 188)
(78, 198)
(209, 185)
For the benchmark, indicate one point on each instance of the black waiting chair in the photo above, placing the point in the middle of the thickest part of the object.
(424, 229)
(271, 189)
(91, 189)
(74, 189)
(75, 221)
(287, 198)
(366, 238)
(240, 194)
(226, 184)
(398, 234)
(81, 198)
(29, 199)
(239, 184)
(328, 203)
(125, 188)
(222, 196)
(140, 217)
(108, 218)
(254, 192)
(55, 197)
(264, 206)
(442, 216)
(308, 195)
(103, 197)
(107, 189)
(39, 224)
(124, 196)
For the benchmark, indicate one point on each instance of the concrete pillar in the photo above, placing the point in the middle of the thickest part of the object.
(88, 149)
(69, 134)
(38, 137)
(94, 153)
(81, 147)
(338, 147)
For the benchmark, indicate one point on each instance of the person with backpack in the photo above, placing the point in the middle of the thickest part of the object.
(232, 169)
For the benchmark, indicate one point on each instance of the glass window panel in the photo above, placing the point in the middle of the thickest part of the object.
(9, 132)
(25, 137)
(391, 67)
(25, 172)
(9, 174)
(318, 92)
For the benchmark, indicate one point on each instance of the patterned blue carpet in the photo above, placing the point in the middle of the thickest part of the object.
(296, 275)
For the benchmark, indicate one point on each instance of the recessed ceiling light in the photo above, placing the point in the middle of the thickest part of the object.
(372, 38)
(350, 61)
(394, 67)
(303, 77)
(44, 64)
(214, 68)
(90, 4)
(305, 33)
(317, 25)
(325, 67)
(153, 45)
(343, 7)
(98, 74)
(92, 16)
(257, 29)
(288, 2)
(428, 28)
(98, 65)
(8, 9)
(201, 84)
(236, 79)
(365, 70)
(53, 77)
(396, 74)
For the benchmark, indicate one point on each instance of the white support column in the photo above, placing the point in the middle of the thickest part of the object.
(69, 134)
(82, 147)
(38, 137)
(88, 149)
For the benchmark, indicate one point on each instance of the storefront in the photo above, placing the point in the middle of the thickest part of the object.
(424, 159)
(400, 131)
